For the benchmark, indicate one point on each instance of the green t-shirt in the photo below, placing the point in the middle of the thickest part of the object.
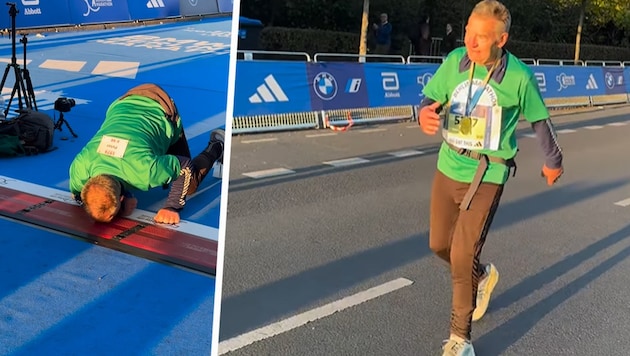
(501, 103)
(131, 145)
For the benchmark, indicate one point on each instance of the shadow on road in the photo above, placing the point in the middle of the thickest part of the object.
(257, 307)
(503, 336)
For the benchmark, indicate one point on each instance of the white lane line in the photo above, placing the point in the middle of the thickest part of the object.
(565, 131)
(346, 162)
(622, 123)
(261, 140)
(371, 130)
(269, 173)
(412, 127)
(322, 135)
(624, 203)
(530, 135)
(594, 127)
(406, 153)
(296, 321)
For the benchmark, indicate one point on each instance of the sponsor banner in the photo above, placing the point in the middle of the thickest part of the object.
(337, 86)
(397, 84)
(152, 9)
(614, 80)
(36, 13)
(198, 7)
(226, 6)
(569, 81)
(99, 11)
(269, 87)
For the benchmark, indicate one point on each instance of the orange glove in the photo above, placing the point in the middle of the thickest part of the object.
(429, 119)
(551, 174)
(167, 216)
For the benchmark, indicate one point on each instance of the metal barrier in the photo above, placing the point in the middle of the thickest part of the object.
(368, 115)
(276, 122)
(362, 58)
(248, 55)
(603, 64)
(559, 62)
(425, 59)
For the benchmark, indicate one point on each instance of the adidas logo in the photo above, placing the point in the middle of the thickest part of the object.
(269, 92)
(592, 83)
(151, 4)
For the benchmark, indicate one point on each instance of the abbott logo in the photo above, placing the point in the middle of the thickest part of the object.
(390, 81)
(266, 91)
(542, 82)
(151, 4)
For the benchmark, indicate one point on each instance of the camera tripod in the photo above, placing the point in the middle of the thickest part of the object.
(62, 121)
(23, 86)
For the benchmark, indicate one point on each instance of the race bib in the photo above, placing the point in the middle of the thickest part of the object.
(479, 131)
(112, 146)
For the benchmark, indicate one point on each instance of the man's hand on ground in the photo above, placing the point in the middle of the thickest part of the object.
(167, 216)
(128, 206)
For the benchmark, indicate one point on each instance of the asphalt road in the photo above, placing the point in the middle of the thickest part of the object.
(320, 232)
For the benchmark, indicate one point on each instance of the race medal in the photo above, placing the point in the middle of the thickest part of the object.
(465, 126)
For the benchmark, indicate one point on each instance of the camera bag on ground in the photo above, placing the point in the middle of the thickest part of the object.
(29, 133)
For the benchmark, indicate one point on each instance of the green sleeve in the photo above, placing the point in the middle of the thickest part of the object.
(78, 176)
(533, 106)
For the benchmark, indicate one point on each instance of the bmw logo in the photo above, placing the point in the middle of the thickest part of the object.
(610, 80)
(325, 86)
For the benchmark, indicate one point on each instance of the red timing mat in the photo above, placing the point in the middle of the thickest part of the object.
(134, 237)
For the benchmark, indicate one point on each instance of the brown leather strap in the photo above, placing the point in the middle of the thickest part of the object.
(153, 91)
(481, 170)
(474, 185)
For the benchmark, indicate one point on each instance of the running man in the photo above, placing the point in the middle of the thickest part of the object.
(477, 155)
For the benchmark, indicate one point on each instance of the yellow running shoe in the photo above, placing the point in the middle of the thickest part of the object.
(484, 291)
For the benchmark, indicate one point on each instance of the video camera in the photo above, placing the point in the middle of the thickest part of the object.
(64, 104)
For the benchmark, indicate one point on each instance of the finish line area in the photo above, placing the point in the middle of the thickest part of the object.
(66, 280)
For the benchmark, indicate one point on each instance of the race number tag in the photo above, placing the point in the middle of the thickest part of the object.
(112, 146)
(479, 131)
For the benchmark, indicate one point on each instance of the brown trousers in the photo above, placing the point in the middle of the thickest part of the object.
(457, 237)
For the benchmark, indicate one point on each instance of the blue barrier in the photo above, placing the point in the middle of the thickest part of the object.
(49, 13)
(282, 87)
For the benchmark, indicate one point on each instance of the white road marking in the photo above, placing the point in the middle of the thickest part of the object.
(69, 66)
(566, 131)
(594, 127)
(271, 139)
(622, 123)
(296, 321)
(530, 135)
(346, 162)
(371, 130)
(269, 173)
(117, 69)
(322, 135)
(406, 153)
(412, 127)
(624, 203)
